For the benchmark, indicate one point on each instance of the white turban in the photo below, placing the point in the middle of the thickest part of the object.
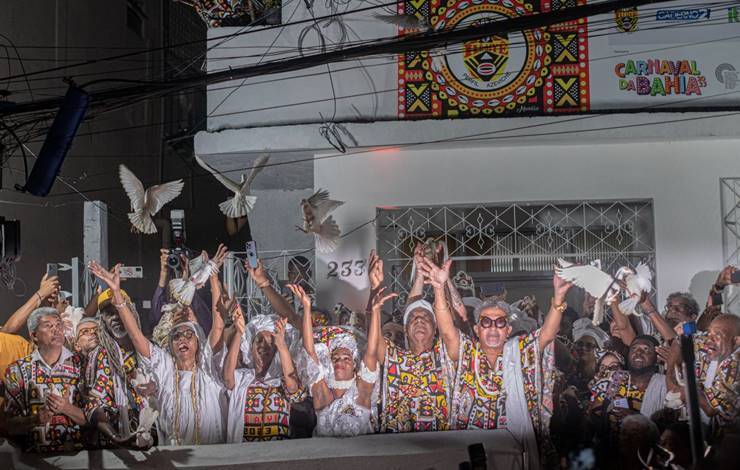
(585, 327)
(419, 304)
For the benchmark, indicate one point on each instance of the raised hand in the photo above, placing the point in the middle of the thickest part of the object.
(220, 255)
(112, 277)
(725, 276)
(238, 319)
(49, 286)
(301, 295)
(375, 270)
(258, 274)
(226, 305)
(561, 288)
(279, 335)
(380, 298)
(435, 275)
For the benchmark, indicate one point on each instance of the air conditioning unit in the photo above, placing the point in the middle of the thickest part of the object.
(10, 239)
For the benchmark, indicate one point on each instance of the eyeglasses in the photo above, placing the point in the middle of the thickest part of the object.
(187, 334)
(585, 345)
(88, 331)
(487, 322)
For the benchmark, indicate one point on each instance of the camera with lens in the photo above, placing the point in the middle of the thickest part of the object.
(177, 226)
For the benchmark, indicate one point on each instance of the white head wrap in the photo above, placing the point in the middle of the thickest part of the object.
(419, 304)
(471, 301)
(257, 325)
(585, 327)
(204, 356)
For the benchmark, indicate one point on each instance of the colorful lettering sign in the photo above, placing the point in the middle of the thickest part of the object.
(656, 77)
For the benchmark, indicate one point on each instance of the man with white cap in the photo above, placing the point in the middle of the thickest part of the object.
(262, 392)
(500, 382)
(43, 399)
(190, 392)
(416, 382)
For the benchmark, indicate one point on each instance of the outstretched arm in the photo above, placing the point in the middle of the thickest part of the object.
(320, 392)
(437, 277)
(113, 279)
(278, 303)
(623, 323)
(48, 287)
(370, 359)
(234, 348)
(216, 335)
(551, 325)
(290, 378)
(376, 276)
(657, 319)
(417, 283)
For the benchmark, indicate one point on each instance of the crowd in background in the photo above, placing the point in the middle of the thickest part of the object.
(573, 394)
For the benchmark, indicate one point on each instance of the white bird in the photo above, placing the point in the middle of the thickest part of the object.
(242, 202)
(146, 203)
(316, 219)
(605, 288)
(411, 23)
(183, 291)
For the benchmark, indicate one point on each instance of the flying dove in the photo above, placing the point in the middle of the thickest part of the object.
(242, 202)
(605, 288)
(146, 203)
(316, 219)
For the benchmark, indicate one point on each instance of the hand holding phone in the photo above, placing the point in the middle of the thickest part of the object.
(252, 258)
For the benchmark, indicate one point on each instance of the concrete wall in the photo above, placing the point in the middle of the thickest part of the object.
(682, 179)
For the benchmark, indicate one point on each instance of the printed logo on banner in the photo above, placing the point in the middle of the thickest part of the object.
(531, 71)
(727, 75)
(626, 19)
(655, 77)
(683, 14)
(733, 15)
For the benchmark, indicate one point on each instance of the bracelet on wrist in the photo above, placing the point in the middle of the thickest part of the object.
(559, 307)
(41, 300)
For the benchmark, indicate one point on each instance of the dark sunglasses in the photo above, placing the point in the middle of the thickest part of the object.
(487, 322)
(187, 334)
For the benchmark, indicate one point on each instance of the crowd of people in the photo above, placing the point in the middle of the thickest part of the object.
(573, 394)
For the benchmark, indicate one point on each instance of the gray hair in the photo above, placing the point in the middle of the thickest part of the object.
(33, 320)
(691, 304)
(491, 303)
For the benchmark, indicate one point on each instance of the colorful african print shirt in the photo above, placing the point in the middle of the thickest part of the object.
(267, 411)
(416, 390)
(107, 390)
(479, 391)
(722, 390)
(619, 389)
(28, 382)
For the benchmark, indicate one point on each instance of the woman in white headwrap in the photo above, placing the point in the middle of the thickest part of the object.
(342, 389)
(261, 393)
(190, 392)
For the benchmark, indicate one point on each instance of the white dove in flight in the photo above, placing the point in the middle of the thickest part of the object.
(316, 219)
(146, 203)
(605, 288)
(242, 202)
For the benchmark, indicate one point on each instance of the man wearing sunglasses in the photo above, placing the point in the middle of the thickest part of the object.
(500, 381)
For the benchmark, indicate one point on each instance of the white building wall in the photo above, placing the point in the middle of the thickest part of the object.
(682, 179)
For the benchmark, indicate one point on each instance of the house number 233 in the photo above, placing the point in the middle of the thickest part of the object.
(346, 268)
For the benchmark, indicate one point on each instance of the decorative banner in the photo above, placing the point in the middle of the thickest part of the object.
(535, 71)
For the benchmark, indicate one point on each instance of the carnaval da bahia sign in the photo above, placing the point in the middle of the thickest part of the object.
(658, 77)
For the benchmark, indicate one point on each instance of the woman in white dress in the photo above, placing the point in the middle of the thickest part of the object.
(340, 385)
(191, 396)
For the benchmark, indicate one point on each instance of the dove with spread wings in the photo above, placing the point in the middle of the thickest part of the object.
(146, 203)
(316, 219)
(242, 202)
(633, 283)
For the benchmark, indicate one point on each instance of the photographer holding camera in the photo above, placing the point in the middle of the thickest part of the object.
(200, 306)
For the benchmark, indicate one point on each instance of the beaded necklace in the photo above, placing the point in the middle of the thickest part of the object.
(193, 400)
